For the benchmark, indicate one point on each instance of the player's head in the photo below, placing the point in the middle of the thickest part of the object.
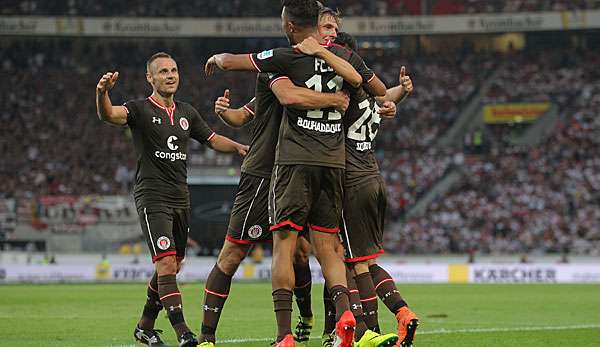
(346, 40)
(330, 21)
(162, 73)
(299, 17)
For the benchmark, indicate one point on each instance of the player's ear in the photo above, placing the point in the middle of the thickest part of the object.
(148, 77)
(291, 27)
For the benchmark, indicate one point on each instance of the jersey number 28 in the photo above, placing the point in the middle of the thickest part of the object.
(362, 129)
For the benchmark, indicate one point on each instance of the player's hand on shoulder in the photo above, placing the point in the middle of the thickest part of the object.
(107, 81)
(222, 103)
(310, 46)
(405, 81)
(387, 109)
(243, 150)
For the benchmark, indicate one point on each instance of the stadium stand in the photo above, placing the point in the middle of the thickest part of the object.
(264, 8)
(542, 199)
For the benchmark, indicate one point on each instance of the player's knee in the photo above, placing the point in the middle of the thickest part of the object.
(166, 266)
(231, 257)
(361, 267)
(300, 256)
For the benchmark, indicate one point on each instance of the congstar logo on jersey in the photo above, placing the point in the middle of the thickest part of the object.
(172, 146)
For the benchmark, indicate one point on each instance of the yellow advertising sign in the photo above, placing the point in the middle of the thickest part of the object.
(514, 113)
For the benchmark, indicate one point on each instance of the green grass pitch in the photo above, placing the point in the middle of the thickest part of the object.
(451, 315)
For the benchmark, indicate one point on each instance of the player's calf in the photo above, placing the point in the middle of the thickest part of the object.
(169, 294)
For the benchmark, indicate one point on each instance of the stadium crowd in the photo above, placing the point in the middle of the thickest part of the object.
(265, 8)
(95, 158)
(544, 199)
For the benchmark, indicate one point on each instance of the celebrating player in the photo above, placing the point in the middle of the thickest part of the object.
(365, 202)
(161, 127)
(306, 186)
(249, 222)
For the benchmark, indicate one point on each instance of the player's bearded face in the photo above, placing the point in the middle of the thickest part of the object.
(164, 76)
(328, 27)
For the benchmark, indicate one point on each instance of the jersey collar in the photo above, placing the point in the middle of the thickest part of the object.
(170, 110)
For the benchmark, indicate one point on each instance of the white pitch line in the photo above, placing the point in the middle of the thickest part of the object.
(447, 331)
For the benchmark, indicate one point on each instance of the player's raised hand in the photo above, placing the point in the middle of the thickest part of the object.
(310, 46)
(222, 103)
(387, 110)
(405, 81)
(107, 81)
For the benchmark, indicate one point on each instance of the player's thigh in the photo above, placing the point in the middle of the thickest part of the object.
(157, 228)
(290, 196)
(249, 219)
(363, 220)
(326, 208)
(181, 230)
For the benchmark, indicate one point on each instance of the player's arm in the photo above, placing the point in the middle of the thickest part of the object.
(104, 107)
(371, 82)
(229, 62)
(293, 96)
(398, 93)
(310, 46)
(225, 145)
(200, 131)
(235, 118)
(375, 86)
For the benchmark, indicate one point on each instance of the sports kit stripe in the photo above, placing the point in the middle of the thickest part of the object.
(215, 293)
(169, 295)
(149, 233)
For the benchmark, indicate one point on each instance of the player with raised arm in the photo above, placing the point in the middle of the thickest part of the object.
(306, 186)
(249, 222)
(364, 207)
(161, 127)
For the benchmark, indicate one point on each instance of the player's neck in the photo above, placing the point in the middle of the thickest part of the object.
(304, 34)
(164, 100)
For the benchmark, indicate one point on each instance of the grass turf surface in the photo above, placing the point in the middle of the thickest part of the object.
(451, 315)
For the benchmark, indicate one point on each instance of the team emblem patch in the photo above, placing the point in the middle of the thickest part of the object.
(163, 242)
(183, 122)
(255, 231)
(265, 54)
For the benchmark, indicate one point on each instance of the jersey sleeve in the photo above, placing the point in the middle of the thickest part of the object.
(358, 63)
(199, 130)
(274, 78)
(251, 106)
(132, 111)
(276, 60)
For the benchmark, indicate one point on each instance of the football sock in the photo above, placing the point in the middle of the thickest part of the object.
(171, 301)
(152, 306)
(302, 289)
(282, 303)
(356, 307)
(329, 324)
(386, 289)
(340, 297)
(368, 299)
(216, 292)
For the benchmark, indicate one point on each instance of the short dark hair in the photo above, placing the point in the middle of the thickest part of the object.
(347, 40)
(156, 56)
(303, 13)
(328, 11)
